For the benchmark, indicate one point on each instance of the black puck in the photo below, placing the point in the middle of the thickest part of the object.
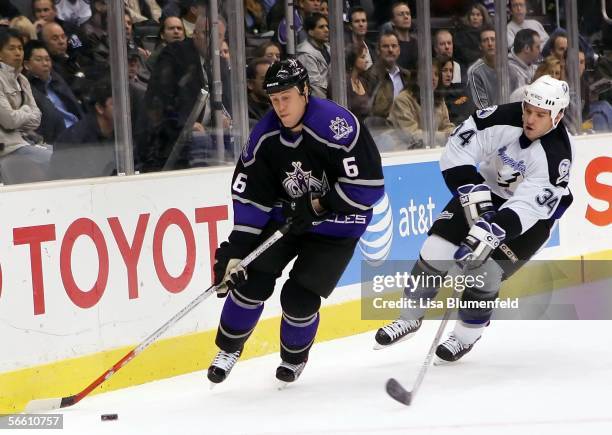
(108, 417)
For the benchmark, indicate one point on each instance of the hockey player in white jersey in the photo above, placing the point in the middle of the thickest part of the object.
(508, 168)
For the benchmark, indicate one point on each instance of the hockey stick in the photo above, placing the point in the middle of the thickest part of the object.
(50, 404)
(395, 389)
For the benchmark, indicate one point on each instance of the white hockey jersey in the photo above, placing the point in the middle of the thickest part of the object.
(529, 177)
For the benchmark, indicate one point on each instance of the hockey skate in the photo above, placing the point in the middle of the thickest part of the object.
(451, 350)
(287, 373)
(222, 366)
(396, 331)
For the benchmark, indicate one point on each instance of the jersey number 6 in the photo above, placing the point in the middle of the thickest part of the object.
(240, 183)
(350, 167)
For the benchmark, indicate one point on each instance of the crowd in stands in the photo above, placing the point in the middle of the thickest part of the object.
(56, 99)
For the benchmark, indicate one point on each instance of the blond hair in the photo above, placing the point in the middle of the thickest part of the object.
(24, 26)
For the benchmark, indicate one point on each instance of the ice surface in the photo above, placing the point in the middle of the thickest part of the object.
(522, 377)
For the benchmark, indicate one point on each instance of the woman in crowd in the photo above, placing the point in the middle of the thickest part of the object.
(467, 36)
(457, 99)
(406, 113)
(20, 161)
(270, 50)
(357, 93)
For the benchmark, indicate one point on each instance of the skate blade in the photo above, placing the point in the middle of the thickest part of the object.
(281, 385)
(378, 346)
(211, 385)
(441, 362)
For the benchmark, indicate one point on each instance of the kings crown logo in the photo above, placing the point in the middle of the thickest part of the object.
(299, 182)
(340, 127)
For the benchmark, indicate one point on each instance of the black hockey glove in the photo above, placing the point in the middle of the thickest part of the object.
(477, 247)
(229, 275)
(476, 202)
(302, 214)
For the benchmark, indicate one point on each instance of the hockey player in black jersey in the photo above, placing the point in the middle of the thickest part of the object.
(508, 169)
(310, 161)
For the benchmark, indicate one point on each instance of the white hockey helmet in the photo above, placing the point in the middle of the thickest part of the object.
(548, 93)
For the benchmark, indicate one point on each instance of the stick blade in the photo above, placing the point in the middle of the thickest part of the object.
(399, 393)
(41, 405)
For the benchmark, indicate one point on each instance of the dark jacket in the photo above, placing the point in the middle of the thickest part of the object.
(7, 10)
(82, 152)
(52, 123)
(172, 93)
(467, 46)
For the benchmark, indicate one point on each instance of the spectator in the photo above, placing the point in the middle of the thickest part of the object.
(386, 78)
(523, 57)
(482, 78)
(270, 50)
(358, 24)
(519, 21)
(357, 87)
(467, 37)
(402, 24)
(45, 12)
(143, 10)
(258, 100)
(556, 45)
(96, 29)
(550, 66)
(170, 30)
(596, 114)
(254, 17)
(302, 10)
(443, 46)
(67, 66)
(60, 108)
(224, 51)
(134, 66)
(190, 11)
(73, 11)
(314, 53)
(324, 8)
(405, 114)
(183, 68)
(24, 27)
(87, 149)
(20, 162)
(458, 102)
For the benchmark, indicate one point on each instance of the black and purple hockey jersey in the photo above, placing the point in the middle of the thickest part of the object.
(333, 156)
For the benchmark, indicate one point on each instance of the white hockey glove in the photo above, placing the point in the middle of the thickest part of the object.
(476, 202)
(477, 247)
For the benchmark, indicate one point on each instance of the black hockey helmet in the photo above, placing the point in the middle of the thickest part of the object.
(285, 74)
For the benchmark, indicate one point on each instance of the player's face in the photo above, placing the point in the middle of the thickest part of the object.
(536, 121)
(289, 106)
